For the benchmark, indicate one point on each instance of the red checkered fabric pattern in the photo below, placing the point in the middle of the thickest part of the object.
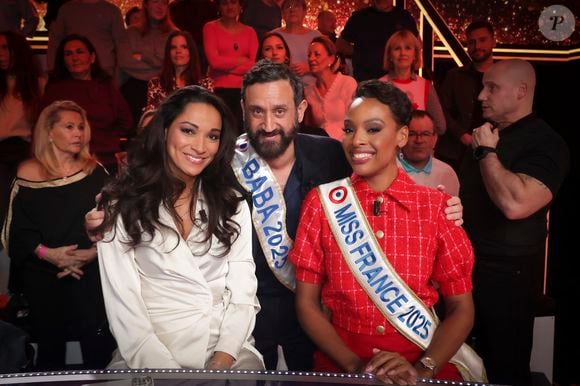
(422, 246)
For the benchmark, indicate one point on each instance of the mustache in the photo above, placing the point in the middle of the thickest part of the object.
(268, 134)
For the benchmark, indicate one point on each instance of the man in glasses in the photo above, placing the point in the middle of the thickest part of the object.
(416, 157)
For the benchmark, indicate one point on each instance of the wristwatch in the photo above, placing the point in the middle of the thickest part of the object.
(480, 152)
(428, 363)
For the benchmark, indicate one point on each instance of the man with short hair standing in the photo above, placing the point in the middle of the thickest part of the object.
(518, 165)
(458, 94)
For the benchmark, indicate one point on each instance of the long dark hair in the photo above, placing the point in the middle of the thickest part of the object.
(191, 74)
(25, 68)
(60, 72)
(148, 182)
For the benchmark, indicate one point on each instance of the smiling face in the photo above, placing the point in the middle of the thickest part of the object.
(319, 60)
(67, 134)
(403, 54)
(193, 140)
(179, 51)
(480, 44)
(371, 139)
(273, 48)
(271, 117)
(78, 59)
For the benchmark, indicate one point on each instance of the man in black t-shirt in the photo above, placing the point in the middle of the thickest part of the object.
(517, 167)
(365, 34)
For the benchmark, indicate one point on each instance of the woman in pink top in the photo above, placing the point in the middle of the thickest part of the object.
(330, 96)
(402, 61)
(231, 49)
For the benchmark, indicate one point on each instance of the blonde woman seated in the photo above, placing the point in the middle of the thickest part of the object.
(45, 239)
(402, 61)
(330, 96)
(176, 258)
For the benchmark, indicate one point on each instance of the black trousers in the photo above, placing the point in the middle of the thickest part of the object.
(277, 324)
(64, 310)
(505, 294)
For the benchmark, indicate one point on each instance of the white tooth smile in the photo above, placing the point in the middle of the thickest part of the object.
(361, 156)
(193, 159)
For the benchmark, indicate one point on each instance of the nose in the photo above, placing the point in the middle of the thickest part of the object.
(481, 96)
(359, 137)
(198, 144)
(269, 122)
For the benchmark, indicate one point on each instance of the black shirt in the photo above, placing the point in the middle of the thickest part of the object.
(528, 146)
(369, 29)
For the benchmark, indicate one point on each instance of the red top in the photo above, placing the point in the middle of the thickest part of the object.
(223, 48)
(420, 243)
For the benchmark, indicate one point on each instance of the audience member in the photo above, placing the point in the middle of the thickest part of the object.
(330, 96)
(45, 239)
(353, 255)
(191, 16)
(133, 17)
(417, 160)
(365, 34)
(180, 69)
(21, 87)
(99, 20)
(78, 76)
(517, 167)
(274, 47)
(262, 15)
(178, 276)
(297, 36)
(459, 91)
(402, 61)
(19, 16)
(230, 48)
(142, 59)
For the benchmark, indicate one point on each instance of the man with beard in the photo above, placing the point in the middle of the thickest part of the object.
(458, 94)
(279, 166)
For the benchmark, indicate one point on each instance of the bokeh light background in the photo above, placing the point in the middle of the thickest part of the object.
(516, 21)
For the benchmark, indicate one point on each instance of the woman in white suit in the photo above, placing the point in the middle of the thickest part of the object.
(176, 259)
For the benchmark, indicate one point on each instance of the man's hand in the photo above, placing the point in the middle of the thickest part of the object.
(485, 135)
(454, 210)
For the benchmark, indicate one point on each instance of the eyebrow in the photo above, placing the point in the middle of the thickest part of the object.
(189, 123)
(278, 106)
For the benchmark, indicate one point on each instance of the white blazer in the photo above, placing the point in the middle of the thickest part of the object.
(159, 303)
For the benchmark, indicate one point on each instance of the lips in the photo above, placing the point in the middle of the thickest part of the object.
(194, 159)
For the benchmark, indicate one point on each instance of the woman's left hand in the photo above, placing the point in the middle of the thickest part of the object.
(220, 361)
(391, 367)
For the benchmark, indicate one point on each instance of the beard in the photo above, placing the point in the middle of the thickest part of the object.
(267, 149)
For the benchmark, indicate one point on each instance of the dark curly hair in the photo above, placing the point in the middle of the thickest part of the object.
(148, 182)
(389, 95)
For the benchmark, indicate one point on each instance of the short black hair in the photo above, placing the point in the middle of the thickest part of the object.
(265, 71)
(477, 24)
(389, 95)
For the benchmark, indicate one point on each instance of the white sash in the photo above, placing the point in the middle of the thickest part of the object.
(373, 271)
(268, 212)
